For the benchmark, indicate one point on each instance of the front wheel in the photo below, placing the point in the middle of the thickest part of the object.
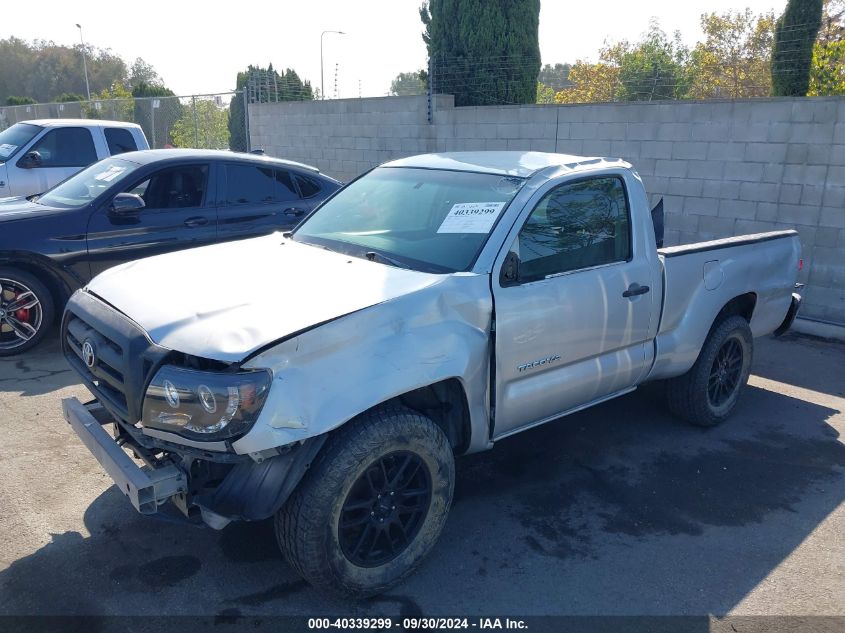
(26, 311)
(372, 505)
(708, 393)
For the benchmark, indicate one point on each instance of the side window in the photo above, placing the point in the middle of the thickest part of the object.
(308, 186)
(120, 140)
(578, 225)
(285, 191)
(248, 184)
(177, 188)
(66, 147)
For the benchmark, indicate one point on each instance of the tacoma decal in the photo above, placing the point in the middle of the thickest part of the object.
(536, 363)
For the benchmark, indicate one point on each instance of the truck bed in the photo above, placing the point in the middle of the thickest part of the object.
(699, 279)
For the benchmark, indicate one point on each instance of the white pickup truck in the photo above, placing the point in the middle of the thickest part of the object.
(436, 305)
(37, 155)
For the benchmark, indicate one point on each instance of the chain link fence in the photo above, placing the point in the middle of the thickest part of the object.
(208, 121)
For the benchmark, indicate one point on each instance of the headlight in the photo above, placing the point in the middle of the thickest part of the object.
(204, 405)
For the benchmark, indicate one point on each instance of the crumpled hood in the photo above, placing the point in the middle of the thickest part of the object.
(228, 300)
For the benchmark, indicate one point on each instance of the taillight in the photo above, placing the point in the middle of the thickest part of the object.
(800, 264)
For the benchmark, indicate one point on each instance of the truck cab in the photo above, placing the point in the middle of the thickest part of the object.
(37, 155)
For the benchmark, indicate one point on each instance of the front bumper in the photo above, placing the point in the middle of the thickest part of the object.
(147, 487)
(217, 487)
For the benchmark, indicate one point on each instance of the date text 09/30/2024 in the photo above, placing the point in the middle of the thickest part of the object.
(416, 623)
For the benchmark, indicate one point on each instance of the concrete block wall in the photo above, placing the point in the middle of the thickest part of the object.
(723, 167)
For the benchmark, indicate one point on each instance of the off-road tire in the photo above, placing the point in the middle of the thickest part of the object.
(45, 298)
(687, 395)
(308, 526)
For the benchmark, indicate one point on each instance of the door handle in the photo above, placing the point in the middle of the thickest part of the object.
(294, 211)
(635, 290)
(196, 221)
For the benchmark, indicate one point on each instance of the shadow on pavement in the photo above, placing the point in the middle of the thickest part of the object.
(802, 361)
(43, 370)
(616, 510)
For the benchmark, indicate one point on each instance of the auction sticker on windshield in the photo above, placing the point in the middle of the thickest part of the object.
(110, 174)
(471, 217)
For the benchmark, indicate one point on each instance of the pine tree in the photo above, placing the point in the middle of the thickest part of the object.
(484, 52)
(792, 54)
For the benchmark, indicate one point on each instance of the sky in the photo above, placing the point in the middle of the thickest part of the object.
(198, 47)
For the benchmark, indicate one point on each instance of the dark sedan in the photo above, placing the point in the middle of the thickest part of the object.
(137, 205)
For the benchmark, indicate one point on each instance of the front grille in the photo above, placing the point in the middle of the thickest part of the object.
(124, 358)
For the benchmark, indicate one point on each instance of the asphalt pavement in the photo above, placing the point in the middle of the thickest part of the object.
(618, 510)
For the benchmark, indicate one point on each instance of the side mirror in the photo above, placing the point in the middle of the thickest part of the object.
(126, 204)
(30, 160)
(510, 270)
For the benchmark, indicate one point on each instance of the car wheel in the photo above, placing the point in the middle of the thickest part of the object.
(708, 393)
(26, 311)
(372, 504)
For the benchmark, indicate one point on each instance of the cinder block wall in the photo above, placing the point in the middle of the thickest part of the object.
(723, 167)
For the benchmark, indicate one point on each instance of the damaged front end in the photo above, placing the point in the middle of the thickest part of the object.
(178, 417)
(208, 487)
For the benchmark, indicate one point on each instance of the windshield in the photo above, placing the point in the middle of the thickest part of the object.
(13, 138)
(425, 219)
(82, 188)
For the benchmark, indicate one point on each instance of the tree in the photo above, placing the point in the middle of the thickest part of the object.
(652, 69)
(203, 125)
(827, 75)
(156, 109)
(114, 103)
(68, 97)
(734, 59)
(262, 85)
(555, 77)
(545, 94)
(408, 84)
(43, 69)
(591, 83)
(12, 100)
(485, 52)
(792, 54)
(140, 72)
(237, 116)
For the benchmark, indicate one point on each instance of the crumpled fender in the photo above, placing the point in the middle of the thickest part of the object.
(328, 375)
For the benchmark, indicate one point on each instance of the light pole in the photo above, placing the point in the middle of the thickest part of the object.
(84, 62)
(322, 87)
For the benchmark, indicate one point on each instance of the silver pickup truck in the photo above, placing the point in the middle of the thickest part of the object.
(440, 303)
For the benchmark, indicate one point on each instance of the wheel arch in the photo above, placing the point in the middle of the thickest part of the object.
(742, 305)
(445, 402)
(53, 280)
(678, 350)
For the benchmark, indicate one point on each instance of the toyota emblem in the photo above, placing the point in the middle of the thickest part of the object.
(88, 354)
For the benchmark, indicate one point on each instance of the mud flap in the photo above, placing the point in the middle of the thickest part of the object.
(790, 315)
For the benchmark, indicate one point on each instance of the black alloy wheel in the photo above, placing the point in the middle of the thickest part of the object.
(725, 373)
(384, 509)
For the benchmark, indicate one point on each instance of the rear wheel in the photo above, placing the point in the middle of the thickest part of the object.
(26, 311)
(372, 505)
(708, 393)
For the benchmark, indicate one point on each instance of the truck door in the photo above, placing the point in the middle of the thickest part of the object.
(572, 304)
(58, 153)
(177, 215)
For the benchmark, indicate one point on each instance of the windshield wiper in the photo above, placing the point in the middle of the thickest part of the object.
(373, 256)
